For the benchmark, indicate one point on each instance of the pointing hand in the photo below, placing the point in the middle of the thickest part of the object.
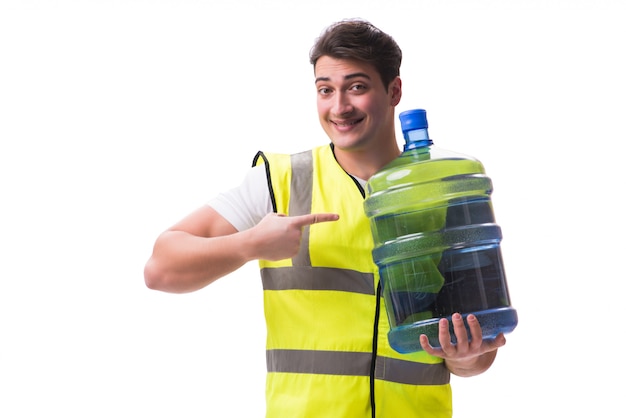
(278, 236)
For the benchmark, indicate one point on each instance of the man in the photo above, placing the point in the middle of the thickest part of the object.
(302, 217)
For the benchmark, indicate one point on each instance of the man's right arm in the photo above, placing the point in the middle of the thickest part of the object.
(204, 246)
(196, 251)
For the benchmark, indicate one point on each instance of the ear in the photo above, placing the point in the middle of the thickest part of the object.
(395, 91)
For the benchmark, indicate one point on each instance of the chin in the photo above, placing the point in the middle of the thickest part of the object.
(347, 145)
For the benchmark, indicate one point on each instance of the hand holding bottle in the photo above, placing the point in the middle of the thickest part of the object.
(470, 354)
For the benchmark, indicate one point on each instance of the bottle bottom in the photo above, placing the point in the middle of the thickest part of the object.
(405, 339)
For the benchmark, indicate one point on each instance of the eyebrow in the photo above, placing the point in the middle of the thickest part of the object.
(347, 77)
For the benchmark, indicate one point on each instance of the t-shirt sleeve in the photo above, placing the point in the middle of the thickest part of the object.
(244, 206)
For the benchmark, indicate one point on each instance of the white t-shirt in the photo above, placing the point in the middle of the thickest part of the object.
(244, 206)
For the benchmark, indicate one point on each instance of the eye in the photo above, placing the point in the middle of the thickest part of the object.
(359, 88)
(324, 91)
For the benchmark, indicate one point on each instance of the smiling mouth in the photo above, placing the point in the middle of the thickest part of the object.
(347, 123)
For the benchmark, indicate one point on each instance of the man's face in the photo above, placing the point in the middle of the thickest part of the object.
(354, 108)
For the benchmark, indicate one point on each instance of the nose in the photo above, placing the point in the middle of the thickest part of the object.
(342, 105)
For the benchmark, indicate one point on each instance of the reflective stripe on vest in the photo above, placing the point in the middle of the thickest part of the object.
(301, 194)
(318, 278)
(355, 364)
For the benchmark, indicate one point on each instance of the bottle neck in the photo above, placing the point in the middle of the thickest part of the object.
(417, 138)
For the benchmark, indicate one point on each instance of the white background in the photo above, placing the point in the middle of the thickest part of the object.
(117, 118)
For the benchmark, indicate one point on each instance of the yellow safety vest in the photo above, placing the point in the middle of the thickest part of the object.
(327, 349)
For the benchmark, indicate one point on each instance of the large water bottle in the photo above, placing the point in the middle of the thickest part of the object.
(437, 245)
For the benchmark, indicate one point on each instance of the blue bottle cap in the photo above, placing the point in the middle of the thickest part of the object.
(411, 120)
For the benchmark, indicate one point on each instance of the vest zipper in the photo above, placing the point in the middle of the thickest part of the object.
(375, 351)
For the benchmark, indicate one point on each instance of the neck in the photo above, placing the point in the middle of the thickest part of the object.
(364, 163)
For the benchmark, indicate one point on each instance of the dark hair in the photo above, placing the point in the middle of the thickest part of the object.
(360, 40)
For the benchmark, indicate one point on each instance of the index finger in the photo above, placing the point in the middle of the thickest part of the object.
(314, 218)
